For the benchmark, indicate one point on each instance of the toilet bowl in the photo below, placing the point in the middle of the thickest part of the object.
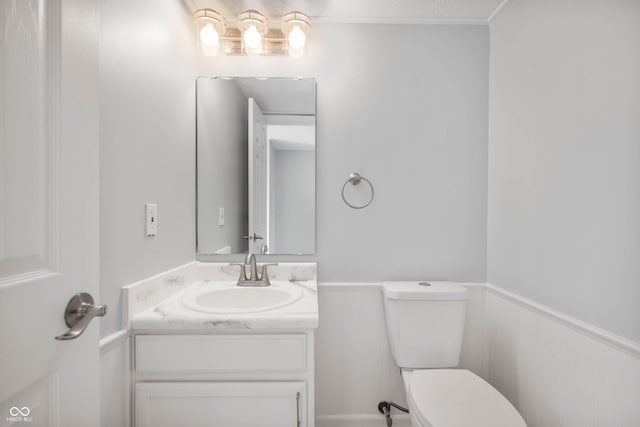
(425, 326)
(456, 398)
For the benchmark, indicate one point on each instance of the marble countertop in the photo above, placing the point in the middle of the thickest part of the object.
(172, 314)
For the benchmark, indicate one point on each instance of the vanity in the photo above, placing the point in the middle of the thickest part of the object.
(207, 352)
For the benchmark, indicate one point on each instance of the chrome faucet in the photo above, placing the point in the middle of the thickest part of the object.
(252, 279)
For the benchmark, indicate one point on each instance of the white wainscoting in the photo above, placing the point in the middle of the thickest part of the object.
(559, 371)
(354, 366)
(115, 380)
(556, 370)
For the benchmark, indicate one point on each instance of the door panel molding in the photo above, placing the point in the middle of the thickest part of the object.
(30, 129)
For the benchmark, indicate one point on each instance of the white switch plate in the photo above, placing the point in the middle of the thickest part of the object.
(220, 216)
(151, 210)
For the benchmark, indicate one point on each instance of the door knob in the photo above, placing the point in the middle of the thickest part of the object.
(79, 313)
(253, 237)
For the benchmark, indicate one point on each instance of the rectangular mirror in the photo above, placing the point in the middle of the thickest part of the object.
(256, 141)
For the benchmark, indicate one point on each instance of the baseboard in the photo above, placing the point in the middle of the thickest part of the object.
(360, 420)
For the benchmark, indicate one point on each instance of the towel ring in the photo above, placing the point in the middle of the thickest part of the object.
(354, 179)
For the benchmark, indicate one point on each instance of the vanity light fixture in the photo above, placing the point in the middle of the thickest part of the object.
(295, 26)
(253, 26)
(252, 36)
(210, 25)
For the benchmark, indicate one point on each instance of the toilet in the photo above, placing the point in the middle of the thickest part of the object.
(425, 326)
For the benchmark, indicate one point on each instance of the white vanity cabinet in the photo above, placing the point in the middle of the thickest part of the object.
(231, 379)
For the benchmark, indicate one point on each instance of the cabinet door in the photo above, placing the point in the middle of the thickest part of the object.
(221, 404)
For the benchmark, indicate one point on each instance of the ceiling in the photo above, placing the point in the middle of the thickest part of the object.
(363, 11)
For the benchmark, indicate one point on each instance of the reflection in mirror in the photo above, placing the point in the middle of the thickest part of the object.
(255, 165)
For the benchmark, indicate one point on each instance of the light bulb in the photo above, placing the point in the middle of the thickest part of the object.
(252, 38)
(209, 36)
(297, 38)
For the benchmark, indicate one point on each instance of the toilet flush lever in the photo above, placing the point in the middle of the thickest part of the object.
(79, 313)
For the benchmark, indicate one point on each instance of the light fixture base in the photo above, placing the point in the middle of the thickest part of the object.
(295, 19)
(252, 17)
(210, 16)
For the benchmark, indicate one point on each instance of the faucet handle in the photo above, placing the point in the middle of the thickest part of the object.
(243, 271)
(265, 276)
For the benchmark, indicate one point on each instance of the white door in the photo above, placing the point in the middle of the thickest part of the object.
(258, 179)
(48, 209)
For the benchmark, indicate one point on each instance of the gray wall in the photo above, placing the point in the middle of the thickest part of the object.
(293, 201)
(147, 150)
(222, 165)
(406, 106)
(564, 146)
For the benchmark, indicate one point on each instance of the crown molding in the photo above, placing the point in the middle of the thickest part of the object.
(193, 6)
(496, 11)
(398, 21)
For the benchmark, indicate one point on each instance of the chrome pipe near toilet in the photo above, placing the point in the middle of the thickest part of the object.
(384, 408)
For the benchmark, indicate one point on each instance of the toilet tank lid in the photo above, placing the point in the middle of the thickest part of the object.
(424, 290)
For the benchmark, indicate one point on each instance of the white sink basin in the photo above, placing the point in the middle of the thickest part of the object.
(241, 299)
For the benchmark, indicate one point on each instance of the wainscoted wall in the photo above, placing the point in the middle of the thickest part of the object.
(564, 152)
(115, 385)
(354, 366)
(559, 371)
(556, 370)
(563, 211)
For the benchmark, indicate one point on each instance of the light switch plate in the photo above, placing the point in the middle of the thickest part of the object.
(151, 228)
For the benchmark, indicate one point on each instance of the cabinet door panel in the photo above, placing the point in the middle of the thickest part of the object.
(221, 404)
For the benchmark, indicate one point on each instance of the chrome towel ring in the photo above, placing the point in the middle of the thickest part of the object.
(354, 179)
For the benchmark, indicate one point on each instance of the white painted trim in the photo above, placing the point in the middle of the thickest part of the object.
(496, 11)
(485, 335)
(398, 21)
(378, 285)
(223, 251)
(53, 84)
(360, 420)
(192, 6)
(114, 340)
(54, 402)
(20, 278)
(619, 343)
(349, 286)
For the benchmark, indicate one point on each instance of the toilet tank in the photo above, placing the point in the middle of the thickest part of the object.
(425, 323)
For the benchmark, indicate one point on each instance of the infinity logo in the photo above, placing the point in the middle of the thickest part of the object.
(15, 411)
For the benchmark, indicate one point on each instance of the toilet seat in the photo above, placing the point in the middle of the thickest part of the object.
(458, 398)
